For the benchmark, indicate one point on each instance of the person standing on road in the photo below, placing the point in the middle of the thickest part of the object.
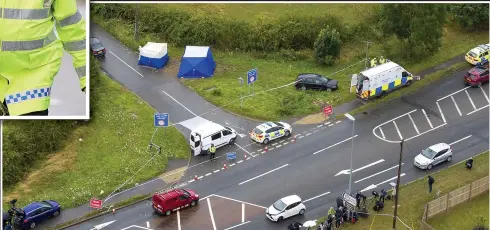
(431, 181)
(212, 152)
(30, 51)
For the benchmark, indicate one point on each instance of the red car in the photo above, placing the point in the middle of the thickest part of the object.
(476, 76)
(164, 203)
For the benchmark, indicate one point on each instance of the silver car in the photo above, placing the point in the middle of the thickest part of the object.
(433, 155)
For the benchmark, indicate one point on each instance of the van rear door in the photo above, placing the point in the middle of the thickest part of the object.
(353, 83)
(195, 143)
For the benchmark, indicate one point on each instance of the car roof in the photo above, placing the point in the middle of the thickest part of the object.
(94, 39)
(379, 69)
(291, 199)
(171, 194)
(307, 75)
(266, 125)
(207, 128)
(32, 206)
(439, 147)
(477, 70)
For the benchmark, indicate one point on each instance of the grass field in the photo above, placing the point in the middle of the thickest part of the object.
(414, 196)
(464, 216)
(102, 154)
(276, 70)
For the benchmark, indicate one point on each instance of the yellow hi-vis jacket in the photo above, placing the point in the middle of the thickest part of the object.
(30, 51)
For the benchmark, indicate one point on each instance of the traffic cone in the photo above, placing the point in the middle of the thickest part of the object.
(245, 156)
(195, 177)
(113, 210)
(265, 149)
(224, 166)
(294, 139)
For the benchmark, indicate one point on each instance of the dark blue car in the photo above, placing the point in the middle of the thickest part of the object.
(37, 212)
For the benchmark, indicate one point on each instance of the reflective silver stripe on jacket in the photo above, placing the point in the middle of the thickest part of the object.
(71, 19)
(25, 14)
(75, 46)
(81, 71)
(29, 45)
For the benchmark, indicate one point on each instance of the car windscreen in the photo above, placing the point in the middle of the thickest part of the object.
(278, 124)
(472, 54)
(428, 152)
(186, 192)
(279, 205)
(97, 46)
(257, 131)
(46, 203)
(324, 79)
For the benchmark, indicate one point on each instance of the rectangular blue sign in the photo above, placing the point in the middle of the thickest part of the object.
(251, 76)
(161, 119)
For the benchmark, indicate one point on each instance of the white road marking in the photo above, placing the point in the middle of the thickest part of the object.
(321, 150)
(346, 171)
(425, 132)
(485, 94)
(100, 226)
(469, 98)
(215, 171)
(271, 148)
(300, 137)
(330, 125)
(372, 186)
(200, 177)
(180, 104)
(308, 134)
(274, 144)
(178, 220)
(440, 111)
(190, 181)
(282, 141)
(396, 118)
(477, 110)
(397, 130)
(126, 64)
(316, 131)
(236, 126)
(243, 149)
(377, 173)
(382, 134)
(457, 108)
(450, 95)
(413, 122)
(239, 201)
(462, 139)
(326, 123)
(337, 122)
(263, 174)
(252, 153)
(232, 165)
(243, 212)
(238, 225)
(207, 174)
(285, 143)
(315, 197)
(426, 117)
(211, 214)
(319, 126)
(278, 146)
(148, 224)
(239, 161)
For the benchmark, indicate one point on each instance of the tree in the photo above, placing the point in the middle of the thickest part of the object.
(470, 16)
(327, 46)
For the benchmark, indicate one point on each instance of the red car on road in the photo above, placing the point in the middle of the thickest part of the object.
(164, 203)
(477, 76)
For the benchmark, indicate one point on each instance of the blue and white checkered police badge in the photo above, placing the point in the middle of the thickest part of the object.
(28, 95)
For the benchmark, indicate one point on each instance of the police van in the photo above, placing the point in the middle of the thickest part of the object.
(379, 80)
(209, 133)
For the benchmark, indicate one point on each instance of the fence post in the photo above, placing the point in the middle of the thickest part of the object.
(447, 201)
(471, 188)
(424, 217)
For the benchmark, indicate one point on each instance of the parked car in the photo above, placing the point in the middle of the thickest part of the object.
(315, 81)
(476, 76)
(269, 131)
(164, 203)
(475, 55)
(37, 212)
(96, 47)
(433, 155)
(285, 207)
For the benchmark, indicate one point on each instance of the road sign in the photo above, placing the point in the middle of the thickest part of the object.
(327, 110)
(251, 76)
(161, 119)
(231, 156)
(349, 199)
(95, 203)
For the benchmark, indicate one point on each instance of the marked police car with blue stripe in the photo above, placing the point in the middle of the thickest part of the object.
(269, 131)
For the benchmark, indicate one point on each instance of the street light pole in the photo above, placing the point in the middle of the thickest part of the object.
(352, 149)
(367, 52)
(398, 184)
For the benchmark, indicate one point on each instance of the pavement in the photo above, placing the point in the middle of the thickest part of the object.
(313, 163)
(66, 98)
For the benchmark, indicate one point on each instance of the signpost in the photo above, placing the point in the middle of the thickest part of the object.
(251, 79)
(95, 203)
(240, 81)
(350, 202)
(161, 119)
(327, 110)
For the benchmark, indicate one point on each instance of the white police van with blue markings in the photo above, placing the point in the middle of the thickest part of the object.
(269, 131)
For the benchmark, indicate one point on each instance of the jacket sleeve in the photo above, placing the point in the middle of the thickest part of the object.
(70, 26)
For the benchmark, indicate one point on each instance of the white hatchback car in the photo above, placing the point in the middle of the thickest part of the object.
(286, 207)
(433, 155)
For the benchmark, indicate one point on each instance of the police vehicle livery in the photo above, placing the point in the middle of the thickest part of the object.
(269, 131)
(478, 54)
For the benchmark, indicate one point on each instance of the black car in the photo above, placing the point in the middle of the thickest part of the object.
(315, 81)
(96, 47)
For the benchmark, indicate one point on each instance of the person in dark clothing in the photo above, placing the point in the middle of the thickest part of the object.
(378, 206)
(469, 163)
(431, 181)
(329, 223)
(340, 202)
(338, 216)
(294, 226)
(382, 195)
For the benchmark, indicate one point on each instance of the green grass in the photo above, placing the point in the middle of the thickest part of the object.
(414, 196)
(276, 70)
(113, 146)
(463, 216)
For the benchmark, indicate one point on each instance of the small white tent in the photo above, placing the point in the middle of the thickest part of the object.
(153, 55)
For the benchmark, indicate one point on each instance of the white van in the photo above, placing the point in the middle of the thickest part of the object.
(209, 133)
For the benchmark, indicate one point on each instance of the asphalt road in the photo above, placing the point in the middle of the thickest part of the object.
(67, 99)
(308, 165)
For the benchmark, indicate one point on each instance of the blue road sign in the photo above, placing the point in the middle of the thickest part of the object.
(231, 156)
(161, 119)
(251, 76)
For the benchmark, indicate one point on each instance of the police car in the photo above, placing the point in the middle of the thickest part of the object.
(475, 55)
(269, 131)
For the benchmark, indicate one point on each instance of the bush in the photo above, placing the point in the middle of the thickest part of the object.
(289, 103)
(217, 92)
(470, 16)
(327, 46)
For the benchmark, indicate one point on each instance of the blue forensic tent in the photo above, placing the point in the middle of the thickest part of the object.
(153, 55)
(197, 62)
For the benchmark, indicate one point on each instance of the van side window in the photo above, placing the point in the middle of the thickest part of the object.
(404, 74)
(216, 136)
(226, 132)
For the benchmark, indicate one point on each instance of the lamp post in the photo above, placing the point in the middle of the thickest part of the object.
(352, 149)
(240, 81)
(397, 192)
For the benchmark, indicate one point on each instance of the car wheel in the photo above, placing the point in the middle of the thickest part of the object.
(449, 158)
(193, 203)
(167, 213)
(287, 133)
(266, 141)
(429, 166)
(408, 83)
(232, 141)
(301, 212)
(56, 213)
(303, 87)
(32, 225)
(280, 219)
(329, 90)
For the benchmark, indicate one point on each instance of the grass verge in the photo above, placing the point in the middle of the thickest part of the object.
(465, 216)
(102, 154)
(279, 69)
(414, 196)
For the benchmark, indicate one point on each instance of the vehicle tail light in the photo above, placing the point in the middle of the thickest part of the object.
(25, 221)
(95, 52)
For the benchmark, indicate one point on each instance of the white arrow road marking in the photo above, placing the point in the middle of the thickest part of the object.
(241, 135)
(372, 186)
(100, 226)
(346, 171)
(377, 173)
(462, 139)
